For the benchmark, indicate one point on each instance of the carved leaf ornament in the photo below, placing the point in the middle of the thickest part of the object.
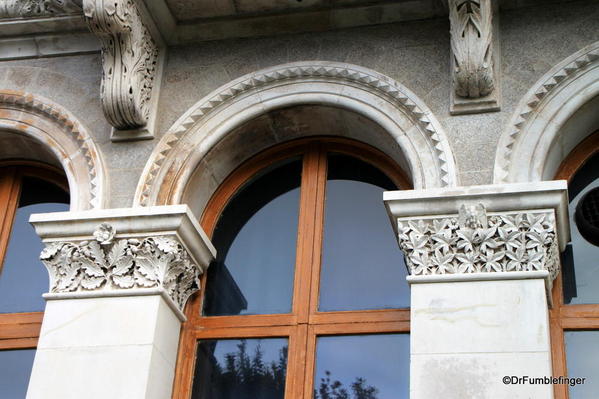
(496, 243)
(38, 8)
(109, 264)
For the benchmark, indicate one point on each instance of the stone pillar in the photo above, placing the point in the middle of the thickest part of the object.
(119, 280)
(481, 264)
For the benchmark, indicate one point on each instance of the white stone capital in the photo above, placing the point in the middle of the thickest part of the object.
(124, 252)
(482, 232)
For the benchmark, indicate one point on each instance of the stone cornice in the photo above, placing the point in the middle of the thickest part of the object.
(121, 252)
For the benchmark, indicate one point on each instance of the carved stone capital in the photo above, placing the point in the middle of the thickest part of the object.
(484, 230)
(128, 252)
(474, 57)
(38, 8)
(130, 64)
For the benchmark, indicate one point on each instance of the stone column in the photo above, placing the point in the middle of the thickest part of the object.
(119, 280)
(481, 263)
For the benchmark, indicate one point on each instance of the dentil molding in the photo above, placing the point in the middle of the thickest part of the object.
(132, 57)
(496, 230)
(124, 252)
(474, 57)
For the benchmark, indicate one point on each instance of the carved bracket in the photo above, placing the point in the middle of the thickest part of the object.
(475, 57)
(131, 63)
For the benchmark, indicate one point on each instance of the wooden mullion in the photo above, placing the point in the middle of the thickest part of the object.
(366, 316)
(310, 365)
(266, 320)
(10, 189)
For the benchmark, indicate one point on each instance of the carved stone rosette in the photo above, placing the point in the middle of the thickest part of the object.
(129, 60)
(38, 8)
(474, 242)
(106, 264)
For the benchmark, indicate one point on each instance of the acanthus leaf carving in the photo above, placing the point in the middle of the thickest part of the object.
(505, 242)
(38, 8)
(129, 60)
(109, 264)
(471, 44)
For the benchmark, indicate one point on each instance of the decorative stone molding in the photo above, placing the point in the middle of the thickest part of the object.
(128, 252)
(54, 127)
(489, 229)
(38, 8)
(474, 58)
(526, 149)
(409, 122)
(131, 63)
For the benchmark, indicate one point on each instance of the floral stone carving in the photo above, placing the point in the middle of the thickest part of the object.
(38, 8)
(475, 242)
(112, 264)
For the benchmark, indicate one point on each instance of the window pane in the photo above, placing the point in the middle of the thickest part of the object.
(24, 278)
(240, 369)
(581, 270)
(256, 239)
(364, 366)
(582, 355)
(362, 265)
(15, 369)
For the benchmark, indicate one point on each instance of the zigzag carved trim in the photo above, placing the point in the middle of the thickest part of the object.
(330, 73)
(35, 105)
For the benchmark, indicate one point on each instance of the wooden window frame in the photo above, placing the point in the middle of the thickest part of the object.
(20, 330)
(566, 317)
(304, 323)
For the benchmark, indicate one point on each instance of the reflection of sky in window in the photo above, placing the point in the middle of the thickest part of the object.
(271, 349)
(261, 259)
(24, 278)
(383, 360)
(15, 368)
(582, 351)
(585, 257)
(362, 266)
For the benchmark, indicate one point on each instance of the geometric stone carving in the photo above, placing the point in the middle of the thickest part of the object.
(473, 59)
(511, 241)
(130, 65)
(38, 8)
(108, 264)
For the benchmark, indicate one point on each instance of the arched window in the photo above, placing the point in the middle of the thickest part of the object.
(575, 314)
(307, 296)
(23, 279)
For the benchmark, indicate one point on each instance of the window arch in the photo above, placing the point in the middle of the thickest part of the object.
(307, 267)
(575, 315)
(25, 188)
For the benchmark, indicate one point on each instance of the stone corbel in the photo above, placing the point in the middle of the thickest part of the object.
(132, 58)
(124, 252)
(475, 57)
(514, 231)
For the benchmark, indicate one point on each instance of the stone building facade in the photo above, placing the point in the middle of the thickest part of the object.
(299, 199)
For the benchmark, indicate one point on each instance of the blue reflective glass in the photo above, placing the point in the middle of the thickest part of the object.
(582, 356)
(24, 278)
(362, 266)
(15, 369)
(256, 242)
(240, 369)
(362, 367)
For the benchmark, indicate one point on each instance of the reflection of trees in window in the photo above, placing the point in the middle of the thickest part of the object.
(329, 389)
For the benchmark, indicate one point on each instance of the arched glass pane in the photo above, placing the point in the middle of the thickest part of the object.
(580, 266)
(15, 369)
(240, 369)
(24, 278)
(363, 366)
(256, 242)
(582, 353)
(362, 265)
